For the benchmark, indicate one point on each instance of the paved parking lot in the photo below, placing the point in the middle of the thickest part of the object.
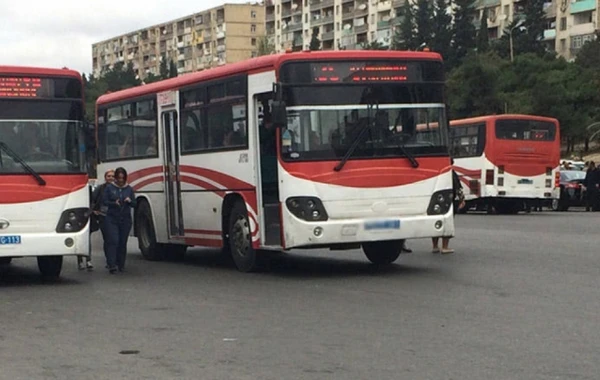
(518, 300)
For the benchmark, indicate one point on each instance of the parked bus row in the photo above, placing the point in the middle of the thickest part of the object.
(335, 150)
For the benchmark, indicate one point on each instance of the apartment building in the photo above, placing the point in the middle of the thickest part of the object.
(224, 34)
(350, 24)
(341, 24)
(569, 23)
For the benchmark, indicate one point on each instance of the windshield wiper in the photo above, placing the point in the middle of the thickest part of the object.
(352, 148)
(411, 158)
(24, 164)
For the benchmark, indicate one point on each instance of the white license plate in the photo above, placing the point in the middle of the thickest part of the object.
(8, 240)
(383, 225)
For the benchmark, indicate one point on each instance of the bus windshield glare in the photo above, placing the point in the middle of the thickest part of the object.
(328, 104)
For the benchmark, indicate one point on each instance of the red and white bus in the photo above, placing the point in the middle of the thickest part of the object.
(297, 150)
(506, 161)
(44, 194)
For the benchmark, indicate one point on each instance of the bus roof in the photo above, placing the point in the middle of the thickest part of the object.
(28, 70)
(480, 119)
(258, 64)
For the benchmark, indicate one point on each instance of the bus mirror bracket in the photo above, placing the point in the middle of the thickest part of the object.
(278, 107)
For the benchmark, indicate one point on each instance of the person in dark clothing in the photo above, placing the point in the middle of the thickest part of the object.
(592, 178)
(458, 203)
(97, 217)
(118, 200)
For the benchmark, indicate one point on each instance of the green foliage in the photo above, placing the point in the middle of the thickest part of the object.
(483, 43)
(265, 47)
(405, 35)
(442, 30)
(463, 29)
(164, 67)
(374, 45)
(589, 55)
(423, 17)
(315, 43)
(534, 23)
(172, 69)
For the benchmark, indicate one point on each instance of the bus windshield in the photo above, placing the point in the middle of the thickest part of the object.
(47, 146)
(327, 132)
(529, 130)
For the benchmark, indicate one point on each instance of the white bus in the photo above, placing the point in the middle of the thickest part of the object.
(299, 150)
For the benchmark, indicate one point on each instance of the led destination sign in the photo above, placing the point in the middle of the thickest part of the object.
(28, 87)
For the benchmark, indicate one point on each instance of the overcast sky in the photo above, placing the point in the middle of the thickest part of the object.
(58, 33)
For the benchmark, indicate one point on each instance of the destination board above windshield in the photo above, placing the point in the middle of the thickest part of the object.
(32, 87)
(361, 72)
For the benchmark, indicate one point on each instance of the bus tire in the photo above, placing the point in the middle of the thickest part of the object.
(50, 266)
(239, 237)
(382, 252)
(5, 260)
(151, 250)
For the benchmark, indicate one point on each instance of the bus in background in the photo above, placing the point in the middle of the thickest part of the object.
(297, 150)
(506, 161)
(44, 197)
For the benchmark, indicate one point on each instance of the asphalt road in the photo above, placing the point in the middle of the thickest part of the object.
(518, 300)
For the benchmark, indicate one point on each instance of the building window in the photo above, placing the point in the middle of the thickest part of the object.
(563, 44)
(253, 14)
(563, 23)
(253, 28)
(253, 41)
(576, 42)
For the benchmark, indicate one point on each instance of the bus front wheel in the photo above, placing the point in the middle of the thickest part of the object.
(382, 252)
(239, 237)
(151, 250)
(50, 266)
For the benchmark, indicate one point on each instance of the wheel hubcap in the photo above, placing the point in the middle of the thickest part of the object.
(239, 234)
(555, 204)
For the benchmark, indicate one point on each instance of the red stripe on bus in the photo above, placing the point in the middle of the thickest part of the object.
(204, 242)
(25, 189)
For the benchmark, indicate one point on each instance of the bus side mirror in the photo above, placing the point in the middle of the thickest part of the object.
(279, 113)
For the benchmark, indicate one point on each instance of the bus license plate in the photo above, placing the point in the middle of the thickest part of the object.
(383, 225)
(6, 240)
(525, 181)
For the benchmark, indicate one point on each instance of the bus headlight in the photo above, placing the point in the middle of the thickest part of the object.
(73, 220)
(440, 202)
(310, 209)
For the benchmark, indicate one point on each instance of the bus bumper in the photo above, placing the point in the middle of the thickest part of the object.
(302, 234)
(48, 244)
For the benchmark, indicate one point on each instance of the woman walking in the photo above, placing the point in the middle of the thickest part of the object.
(118, 201)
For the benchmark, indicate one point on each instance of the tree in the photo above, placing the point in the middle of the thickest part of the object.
(423, 17)
(534, 23)
(405, 35)
(374, 45)
(265, 47)
(442, 32)
(483, 43)
(315, 43)
(151, 78)
(172, 69)
(589, 55)
(463, 30)
(164, 68)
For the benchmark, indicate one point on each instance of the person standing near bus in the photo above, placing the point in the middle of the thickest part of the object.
(592, 178)
(118, 200)
(458, 203)
(97, 217)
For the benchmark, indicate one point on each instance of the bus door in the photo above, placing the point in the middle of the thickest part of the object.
(269, 218)
(169, 127)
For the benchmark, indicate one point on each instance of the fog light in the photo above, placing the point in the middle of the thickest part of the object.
(318, 231)
(69, 242)
(439, 224)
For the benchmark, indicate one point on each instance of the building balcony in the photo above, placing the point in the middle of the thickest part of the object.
(383, 24)
(220, 48)
(347, 14)
(549, 34)
(587, 28)
(292, 27)
(361, 29)
(327, 36)
(321, 21)
(583, 6)
(270, 17)
(286, 12)
(385, 5)
(358, 12)
(487, 4)
(316, 4)
(297, 41)
(398, 3)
